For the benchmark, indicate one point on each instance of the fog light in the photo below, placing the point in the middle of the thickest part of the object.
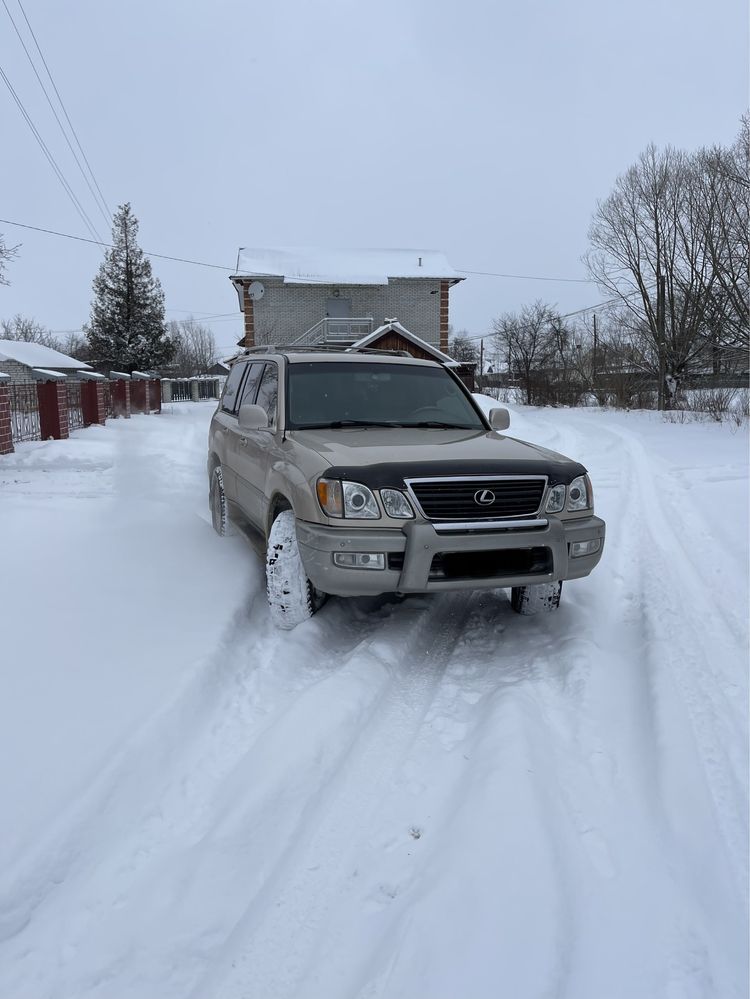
(578, 548)
(359, 560)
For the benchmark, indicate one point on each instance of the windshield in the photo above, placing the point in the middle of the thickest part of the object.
(340, 394)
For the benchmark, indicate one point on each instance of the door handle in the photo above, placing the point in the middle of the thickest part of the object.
(243, 441)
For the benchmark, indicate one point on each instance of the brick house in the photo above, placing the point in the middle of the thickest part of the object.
(28, 362)
(345, 297)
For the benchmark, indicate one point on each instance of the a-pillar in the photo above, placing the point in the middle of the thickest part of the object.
(120, 389)
(93, 405)
(53, 408)
(6, 430)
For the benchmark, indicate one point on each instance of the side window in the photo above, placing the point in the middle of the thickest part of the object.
(231, 388)
(250, 387)
(268, 393)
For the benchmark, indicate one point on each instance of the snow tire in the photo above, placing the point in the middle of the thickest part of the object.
(218, 504)
(537, 598)
(292, 598)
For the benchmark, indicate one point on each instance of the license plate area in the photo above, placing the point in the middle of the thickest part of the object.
(491, 564)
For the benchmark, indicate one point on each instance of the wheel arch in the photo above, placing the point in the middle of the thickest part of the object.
(278, 502)
(213, 462)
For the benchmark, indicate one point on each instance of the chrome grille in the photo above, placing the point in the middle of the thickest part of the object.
(482, 498)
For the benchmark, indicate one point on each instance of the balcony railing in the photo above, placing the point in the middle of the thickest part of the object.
(328, 330)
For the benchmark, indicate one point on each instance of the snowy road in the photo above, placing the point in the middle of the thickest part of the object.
(429, 798)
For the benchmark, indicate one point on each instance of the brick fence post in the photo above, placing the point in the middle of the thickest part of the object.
(155, 397)
(92, 399)
(137, 395)
(120, 389)
(166, 388)
(6, 430)
(53, 409)
(194, 390)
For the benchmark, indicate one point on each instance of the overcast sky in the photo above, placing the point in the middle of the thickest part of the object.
(484, 129)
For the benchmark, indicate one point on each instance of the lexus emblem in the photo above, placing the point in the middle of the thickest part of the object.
(484, 497)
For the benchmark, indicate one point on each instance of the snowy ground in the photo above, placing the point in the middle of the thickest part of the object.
(430, 798)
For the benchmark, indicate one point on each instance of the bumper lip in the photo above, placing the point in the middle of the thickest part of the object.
(442, 527)
(419, 541)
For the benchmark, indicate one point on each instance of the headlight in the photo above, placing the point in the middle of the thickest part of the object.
(580, 494)
(347, 499)
(359, 501)
(556, 499)
(396, 504)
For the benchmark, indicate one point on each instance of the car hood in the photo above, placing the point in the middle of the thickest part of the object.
(381, 457)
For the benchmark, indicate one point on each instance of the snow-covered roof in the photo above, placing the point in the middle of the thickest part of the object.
(313, 265)
(37, 356)
(393, 325)
(47, 375)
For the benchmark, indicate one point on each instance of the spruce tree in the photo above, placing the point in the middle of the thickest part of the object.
(127, 329)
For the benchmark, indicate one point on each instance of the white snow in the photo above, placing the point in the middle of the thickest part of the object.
(37, 356)
(429, 797)
(315, 265)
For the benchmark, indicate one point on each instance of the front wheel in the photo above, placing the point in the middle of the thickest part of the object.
(292, 598)
(536, 598)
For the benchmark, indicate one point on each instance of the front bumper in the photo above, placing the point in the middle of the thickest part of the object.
(418, 542)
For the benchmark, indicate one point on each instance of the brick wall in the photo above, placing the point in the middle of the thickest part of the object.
(6, 435)
(19, 373)
(287, 311)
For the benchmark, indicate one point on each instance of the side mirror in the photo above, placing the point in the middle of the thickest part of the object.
(499, 418)
(252, 417)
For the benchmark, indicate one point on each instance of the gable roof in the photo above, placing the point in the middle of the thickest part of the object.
(394, 326)
(37, 356)
(313, 265)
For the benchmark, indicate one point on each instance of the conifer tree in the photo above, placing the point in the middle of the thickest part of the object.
(127, 329)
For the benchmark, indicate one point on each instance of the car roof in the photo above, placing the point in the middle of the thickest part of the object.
(353, 357)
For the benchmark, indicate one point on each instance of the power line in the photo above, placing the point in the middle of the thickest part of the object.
(64, 109)
(109, 246)
(203, 263)
(50, 158)
(220, 317)
(527, 277)
(54, 112)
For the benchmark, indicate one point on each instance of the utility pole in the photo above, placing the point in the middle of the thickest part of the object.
(661, 284)
(481, 358)
(593, 356)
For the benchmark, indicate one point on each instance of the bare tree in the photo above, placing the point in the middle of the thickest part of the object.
(673, 222)
(196, 347)
(462, 348)
(526, 341)
(724, 176)
(7, 253)
(28, 329)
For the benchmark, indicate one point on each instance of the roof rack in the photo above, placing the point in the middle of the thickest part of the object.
(336, 348)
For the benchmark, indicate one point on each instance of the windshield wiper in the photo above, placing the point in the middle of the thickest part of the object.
(341, 424)
(436, 424)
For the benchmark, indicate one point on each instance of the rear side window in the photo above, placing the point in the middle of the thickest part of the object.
(231, 388)
(268, 393)
(250, 387)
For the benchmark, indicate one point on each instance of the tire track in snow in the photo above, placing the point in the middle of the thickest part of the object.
(211, 707)
(707, 667)
(272, 944)
(96, 860)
